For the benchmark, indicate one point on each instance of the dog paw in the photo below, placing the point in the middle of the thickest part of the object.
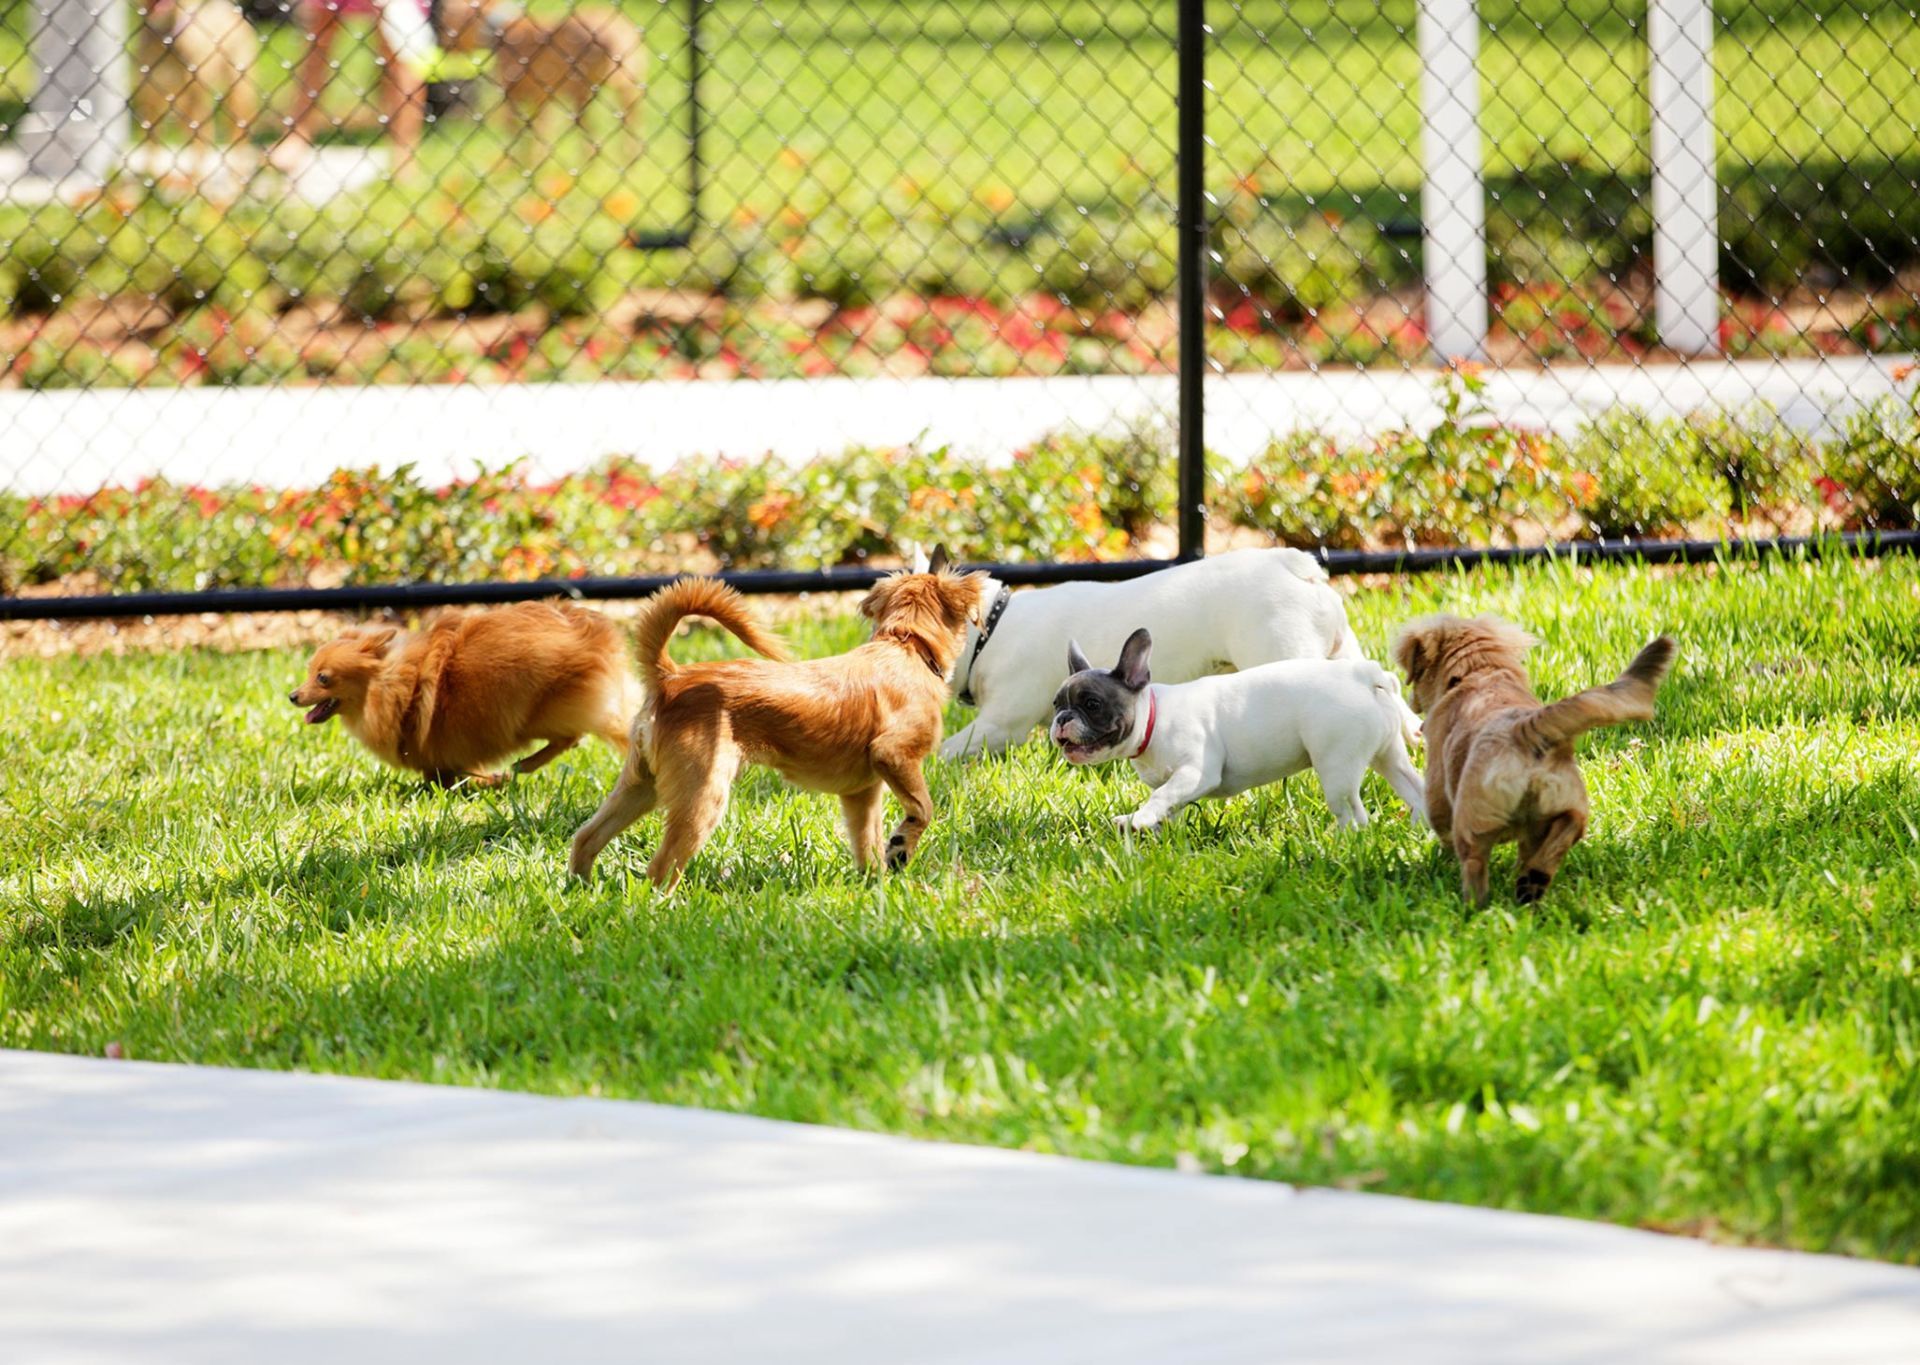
(896, 852)
(1532, 886)
(1134, 821)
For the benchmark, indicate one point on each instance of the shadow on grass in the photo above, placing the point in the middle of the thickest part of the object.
(343, 878)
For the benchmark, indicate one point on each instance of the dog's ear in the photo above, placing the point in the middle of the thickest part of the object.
(374, 641)
(1409, 653)
(1132, 668)
(939, 563)
(1076, 661)
(874, 604)
(917, 561)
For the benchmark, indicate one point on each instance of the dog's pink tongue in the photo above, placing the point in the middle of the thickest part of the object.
(319, 713)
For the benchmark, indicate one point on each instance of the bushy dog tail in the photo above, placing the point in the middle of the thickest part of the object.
(696, 597)
(1627, 697)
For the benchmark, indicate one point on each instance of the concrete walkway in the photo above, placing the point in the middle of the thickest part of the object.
(165, 1213)
(75, 441)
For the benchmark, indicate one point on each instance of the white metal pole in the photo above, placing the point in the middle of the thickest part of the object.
(1453, 208)
(1686, 219)
(77, 124)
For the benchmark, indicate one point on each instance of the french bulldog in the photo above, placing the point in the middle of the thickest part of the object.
(1222, 735)
(1229, 611)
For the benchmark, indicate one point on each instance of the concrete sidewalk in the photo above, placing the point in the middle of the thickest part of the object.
(167, 1213)
(76, 441)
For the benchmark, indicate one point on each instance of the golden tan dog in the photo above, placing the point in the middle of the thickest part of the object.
(850, 725)
(474, 687)
(565, 61)
(196, 60)
(1500, 765)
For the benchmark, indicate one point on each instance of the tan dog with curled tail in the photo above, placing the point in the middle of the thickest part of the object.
(1500, 765)
(854, 725)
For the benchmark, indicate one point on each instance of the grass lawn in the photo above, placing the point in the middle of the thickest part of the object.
(1710, 1025)
(1072, 100)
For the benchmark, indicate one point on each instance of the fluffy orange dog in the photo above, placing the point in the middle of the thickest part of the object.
(1500, 765)
(848, 725)
(475, 687)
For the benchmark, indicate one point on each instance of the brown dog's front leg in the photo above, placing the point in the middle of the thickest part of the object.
(1473, 867)
(1542, 853)
(862, 812)
(909, 784)
(1439, 808)
(539, 758)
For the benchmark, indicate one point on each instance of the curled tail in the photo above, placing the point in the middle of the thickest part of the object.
(696, 597)
(1627, 697)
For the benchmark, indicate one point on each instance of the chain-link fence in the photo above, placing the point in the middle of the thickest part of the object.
(357, 293)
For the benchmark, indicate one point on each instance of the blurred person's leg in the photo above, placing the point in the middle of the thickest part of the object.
(409, 52)
(320, 24)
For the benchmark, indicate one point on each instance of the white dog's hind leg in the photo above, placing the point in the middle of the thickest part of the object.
(980, 738)
(1393, 764)
(1341, 787)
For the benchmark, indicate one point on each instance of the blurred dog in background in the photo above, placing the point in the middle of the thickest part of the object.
(196, 60)
(547, 64)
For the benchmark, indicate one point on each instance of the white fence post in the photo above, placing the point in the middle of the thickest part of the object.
(1686, 217)
(1453, 205)
(77, 124)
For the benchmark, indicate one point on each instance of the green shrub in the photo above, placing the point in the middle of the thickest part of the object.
(42, 260)
(1135, 466)
(1640, 476)
(1295, 267)
(1070, 496)
(1872, 468)
(1566, 223)
(1469, 480)
(1303, 490)
(1768, 466)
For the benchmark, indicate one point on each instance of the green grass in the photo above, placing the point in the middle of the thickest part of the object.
(858, 149)
(1710, 1024)
(1065, 99)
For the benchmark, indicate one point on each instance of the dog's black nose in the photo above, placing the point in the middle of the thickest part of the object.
(294, 697)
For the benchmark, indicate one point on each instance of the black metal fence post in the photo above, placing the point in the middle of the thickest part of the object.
(696, 59)
(1192, 216)
(680, 238)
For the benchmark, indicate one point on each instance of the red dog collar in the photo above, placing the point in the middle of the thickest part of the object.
(1147, 738)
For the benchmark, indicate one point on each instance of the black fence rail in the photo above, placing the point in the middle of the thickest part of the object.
(362, 303)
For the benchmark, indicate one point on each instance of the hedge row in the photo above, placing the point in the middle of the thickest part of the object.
(473, 245)
(1468, 481)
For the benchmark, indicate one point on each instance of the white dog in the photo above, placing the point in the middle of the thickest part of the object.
(1231, 611)
(1221, 736)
